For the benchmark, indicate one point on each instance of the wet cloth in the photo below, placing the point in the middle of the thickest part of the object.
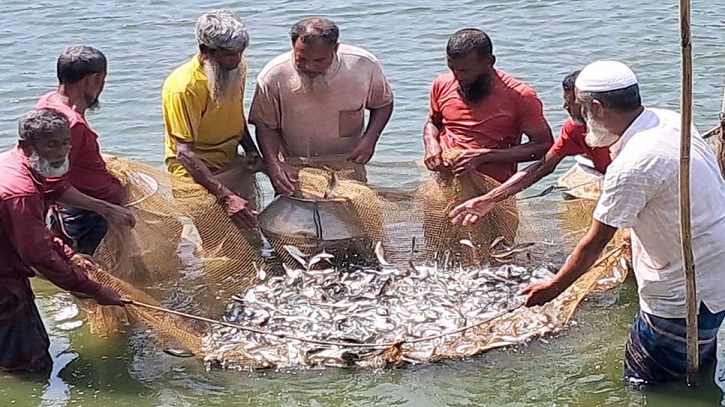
(23, 340)
(656, 350)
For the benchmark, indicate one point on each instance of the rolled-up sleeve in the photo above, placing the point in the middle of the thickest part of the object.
(37, 248)
(625, 192)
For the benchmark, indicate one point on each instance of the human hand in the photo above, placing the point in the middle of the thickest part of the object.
(282, 181)
(119, 216)
(363, 152)
(238, 211)
(469, 160)
(471, 211)
(433, 158)
(540, 293)
(107, 296)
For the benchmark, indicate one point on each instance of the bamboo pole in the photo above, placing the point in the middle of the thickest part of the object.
(693, 362)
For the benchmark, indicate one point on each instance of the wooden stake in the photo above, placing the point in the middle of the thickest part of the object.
(693, 356)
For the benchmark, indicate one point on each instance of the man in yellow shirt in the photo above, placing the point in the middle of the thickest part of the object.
(204, 115)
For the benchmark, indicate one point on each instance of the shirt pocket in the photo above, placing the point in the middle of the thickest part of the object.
(350, 122)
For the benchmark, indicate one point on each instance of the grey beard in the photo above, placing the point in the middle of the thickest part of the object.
(45, 168)
(222, 84)
(597, 136)
(302, 84)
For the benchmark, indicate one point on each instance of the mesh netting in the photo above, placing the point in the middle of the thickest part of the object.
(185, 253)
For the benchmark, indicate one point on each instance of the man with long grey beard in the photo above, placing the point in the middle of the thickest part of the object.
(27, 248)
(640, 192)
(309, 105)
(204, 115)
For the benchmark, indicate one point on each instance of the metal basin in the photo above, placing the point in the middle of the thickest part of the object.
(313, 225)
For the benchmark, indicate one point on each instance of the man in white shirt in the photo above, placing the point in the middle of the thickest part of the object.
(640, 192)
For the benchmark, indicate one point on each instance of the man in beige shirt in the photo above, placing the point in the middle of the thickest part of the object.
(310, 103)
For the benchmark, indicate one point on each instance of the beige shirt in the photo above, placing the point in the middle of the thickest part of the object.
(641, 192)
(329, 118)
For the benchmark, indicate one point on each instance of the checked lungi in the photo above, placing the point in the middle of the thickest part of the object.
(656, 350)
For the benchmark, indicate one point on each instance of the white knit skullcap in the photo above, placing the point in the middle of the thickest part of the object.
(605, 76)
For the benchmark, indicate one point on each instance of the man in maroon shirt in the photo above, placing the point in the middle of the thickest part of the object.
(81, 72)
(570, 142)
(27, 247)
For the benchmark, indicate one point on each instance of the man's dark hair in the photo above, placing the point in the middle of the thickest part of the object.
(468, 40)
(622, 100)
(79, 61)
(569, 81)
(38, 124)
(315, 29)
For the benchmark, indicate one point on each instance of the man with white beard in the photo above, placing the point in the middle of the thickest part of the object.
(27, 247)
(204, 115)
(640, 192)
(309, 105)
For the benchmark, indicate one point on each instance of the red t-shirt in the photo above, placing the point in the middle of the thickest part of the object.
(88, 172)
(571, 142)
(497, 122)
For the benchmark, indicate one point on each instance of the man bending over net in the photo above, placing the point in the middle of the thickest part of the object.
(204, 116)
(27, 247)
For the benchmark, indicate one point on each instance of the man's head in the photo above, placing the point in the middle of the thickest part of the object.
(44, 137)
(569, 97)
(608, 93)
(470, 58)
(222, 39)
(84, 68)
(314, 44)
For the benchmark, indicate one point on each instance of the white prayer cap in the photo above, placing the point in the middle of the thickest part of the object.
(605, 76)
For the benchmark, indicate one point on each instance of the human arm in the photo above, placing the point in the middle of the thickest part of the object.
(265, 115)
(365, 149)
(115, 214)
(474, 209)
(182, 115)
(38, 249)
(379, 101)
(234, 206)
(433, 158)
(587, 252)
(270, 142)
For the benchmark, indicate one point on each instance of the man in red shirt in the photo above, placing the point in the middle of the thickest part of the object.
(27, 247)
(570, 142)
(482, 111)
(81, 72)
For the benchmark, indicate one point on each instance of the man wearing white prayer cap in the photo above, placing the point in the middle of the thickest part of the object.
(640, 192)
(204, 116)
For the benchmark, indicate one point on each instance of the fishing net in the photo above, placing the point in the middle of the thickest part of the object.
(184, 253)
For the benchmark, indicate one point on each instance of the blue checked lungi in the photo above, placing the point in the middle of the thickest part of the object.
(656, 350)
(80, 229)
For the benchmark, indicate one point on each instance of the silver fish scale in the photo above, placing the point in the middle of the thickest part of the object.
(366, 306)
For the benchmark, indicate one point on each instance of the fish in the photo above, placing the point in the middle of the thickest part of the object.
(364, 305)
(380, 254)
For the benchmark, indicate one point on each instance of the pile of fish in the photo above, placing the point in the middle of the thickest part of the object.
(364, 306)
